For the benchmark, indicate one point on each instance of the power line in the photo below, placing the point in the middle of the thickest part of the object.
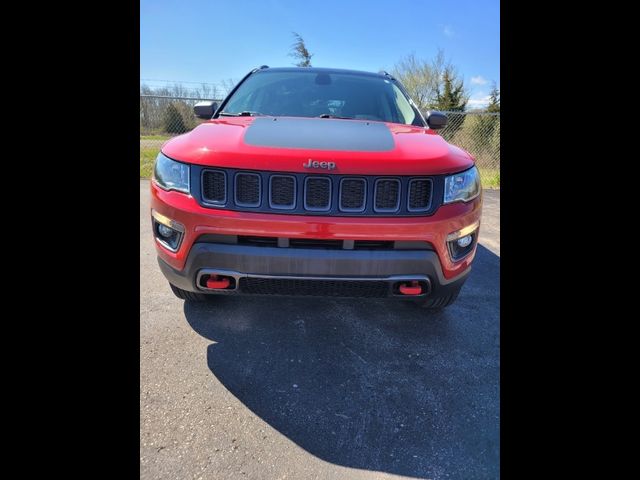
(177, 81)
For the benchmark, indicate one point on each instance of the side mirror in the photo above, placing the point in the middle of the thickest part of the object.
(205, 109)
(436, 120)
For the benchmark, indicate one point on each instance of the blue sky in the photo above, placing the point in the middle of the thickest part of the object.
(210, 41)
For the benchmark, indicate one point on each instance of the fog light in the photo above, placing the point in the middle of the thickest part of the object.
(465, 241)
(167, 232)
(462, 242)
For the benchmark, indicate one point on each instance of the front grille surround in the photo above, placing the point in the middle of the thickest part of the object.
(209, 178)
(413, 184)
(385, 193)
(272, 193)
(242, 188)
(307, 189)
(330, 190)
(345, 184)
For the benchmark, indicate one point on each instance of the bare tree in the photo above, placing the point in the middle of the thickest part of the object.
(228, 85)
(421, 78)
(178, 90)
(206, 91)
(300, 52)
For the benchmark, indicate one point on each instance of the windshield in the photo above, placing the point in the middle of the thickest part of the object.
(303, 93)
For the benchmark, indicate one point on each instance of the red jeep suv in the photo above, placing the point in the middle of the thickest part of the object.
(315, 181)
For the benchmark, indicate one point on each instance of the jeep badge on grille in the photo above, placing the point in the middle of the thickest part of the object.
(316, 164)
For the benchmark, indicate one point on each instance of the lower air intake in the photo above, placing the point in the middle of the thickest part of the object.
(322, 288)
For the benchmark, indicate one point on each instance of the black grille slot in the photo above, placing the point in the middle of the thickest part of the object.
(310, 287)
(313, 243)
(247, 189)
(419, 194)
(317, 193)
(372, 245)
(214, 189)
(282, 191)
(258, 241)
(387, 197)
(352, 194)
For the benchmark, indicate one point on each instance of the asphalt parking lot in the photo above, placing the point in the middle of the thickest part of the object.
(287, 388)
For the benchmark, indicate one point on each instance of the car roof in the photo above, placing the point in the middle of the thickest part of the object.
(321, 70)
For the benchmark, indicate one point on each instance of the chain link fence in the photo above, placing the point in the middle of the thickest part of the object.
(479, 134)
(163, 117)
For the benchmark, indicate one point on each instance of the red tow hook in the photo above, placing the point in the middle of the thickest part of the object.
(214, 281)
(411, 288)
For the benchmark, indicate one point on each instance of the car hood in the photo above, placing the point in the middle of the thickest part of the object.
(288, 143)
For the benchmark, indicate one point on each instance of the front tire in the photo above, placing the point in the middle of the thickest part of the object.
(439, 303)
(190, 296)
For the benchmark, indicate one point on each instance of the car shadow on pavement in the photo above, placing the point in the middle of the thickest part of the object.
(369, 384)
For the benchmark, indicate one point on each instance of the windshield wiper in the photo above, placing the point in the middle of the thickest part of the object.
(328, 115)
(241, 114)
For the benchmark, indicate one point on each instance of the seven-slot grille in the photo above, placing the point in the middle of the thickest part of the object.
(331, 194)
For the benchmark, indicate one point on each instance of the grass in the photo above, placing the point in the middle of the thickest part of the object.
(147, 157)
(154, 137)
(490, 176)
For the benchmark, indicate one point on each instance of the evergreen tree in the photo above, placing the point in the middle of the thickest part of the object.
(173, 120)
(451, 96)
(494, 99)
(450, 92)
(300, 52)
(481, 133)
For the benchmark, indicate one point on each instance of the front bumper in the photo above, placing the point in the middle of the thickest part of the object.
(312, 271)
(199, 221)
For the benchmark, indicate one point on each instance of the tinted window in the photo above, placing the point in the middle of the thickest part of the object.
(311, 94)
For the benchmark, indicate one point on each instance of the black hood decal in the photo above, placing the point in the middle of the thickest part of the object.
(319, 134)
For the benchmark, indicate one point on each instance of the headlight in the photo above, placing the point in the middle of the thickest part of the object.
(171, 175)
(463, 186)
